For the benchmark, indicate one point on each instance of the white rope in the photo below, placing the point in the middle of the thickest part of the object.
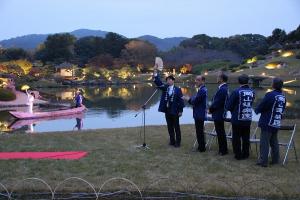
(76, 178)
(123, 179)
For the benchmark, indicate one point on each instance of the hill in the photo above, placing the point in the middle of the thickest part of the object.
(163, 44)
(29, 42)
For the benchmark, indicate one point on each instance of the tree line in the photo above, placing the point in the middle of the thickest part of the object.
(115, 51)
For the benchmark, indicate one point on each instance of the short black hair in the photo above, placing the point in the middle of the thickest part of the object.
(203, 78)
(243, 79)
(277, 83)
(224, 77)
(170, 77)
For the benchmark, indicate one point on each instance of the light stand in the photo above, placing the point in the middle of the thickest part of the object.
(144, 145)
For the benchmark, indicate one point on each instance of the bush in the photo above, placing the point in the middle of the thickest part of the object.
(298, 56)
(7, 95)
(243, 67)
(261, 57)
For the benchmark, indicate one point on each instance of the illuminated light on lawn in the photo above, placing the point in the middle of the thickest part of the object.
(288, 104)
(96, 75)
(205, 73)
(263, 74)
(271, 66)
(290, 81)
(240, 70)
(289, 91)
(287, 54)
(252, 60)
(109, 78)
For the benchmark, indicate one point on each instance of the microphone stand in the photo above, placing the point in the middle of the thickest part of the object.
(144, 145)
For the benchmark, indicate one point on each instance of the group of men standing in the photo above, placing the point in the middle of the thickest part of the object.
(239, 103)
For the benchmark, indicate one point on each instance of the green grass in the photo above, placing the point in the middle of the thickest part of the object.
(213, 65)
(113, 153)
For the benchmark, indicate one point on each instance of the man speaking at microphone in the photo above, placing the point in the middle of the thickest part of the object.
(171, 103)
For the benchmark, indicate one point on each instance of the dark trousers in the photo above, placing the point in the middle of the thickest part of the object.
(173, 127)
(268, 139)
(240, 133)
(221, 134)
(199, 125)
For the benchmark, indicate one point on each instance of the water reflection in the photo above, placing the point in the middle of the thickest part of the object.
(79, 124)
(115, 106)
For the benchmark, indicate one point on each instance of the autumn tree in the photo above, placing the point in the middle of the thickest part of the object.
(139, 52)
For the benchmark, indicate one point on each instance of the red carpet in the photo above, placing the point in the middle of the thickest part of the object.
(66, 155)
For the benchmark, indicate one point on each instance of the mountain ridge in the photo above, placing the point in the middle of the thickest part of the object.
(31, 41)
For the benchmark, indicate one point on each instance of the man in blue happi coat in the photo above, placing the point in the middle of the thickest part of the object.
(240, 105)
(171, 103)
(199, 102)
(217, 109)
(271, 109)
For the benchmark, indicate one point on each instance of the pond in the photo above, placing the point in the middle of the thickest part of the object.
(117, 106)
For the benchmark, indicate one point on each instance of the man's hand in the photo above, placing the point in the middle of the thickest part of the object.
(180, 114)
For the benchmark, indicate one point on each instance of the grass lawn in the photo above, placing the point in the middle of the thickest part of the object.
(113, 153)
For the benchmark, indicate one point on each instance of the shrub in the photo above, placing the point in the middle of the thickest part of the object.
(243, 67)
(231, 66)
(260, 57)
(7, 95)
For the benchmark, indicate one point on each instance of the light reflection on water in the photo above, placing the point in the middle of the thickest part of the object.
(116, 106)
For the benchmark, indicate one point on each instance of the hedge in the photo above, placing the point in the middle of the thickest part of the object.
(7, 95)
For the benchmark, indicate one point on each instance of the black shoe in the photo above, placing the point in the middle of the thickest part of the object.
(261, 164)
(177, 145)
(201, 149)
(274, 163)
(223, 153)
(172, 143)
(238, 157)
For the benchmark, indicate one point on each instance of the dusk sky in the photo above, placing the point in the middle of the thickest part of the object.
(161, 18)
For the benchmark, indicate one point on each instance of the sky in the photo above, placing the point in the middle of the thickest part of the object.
(161, 18)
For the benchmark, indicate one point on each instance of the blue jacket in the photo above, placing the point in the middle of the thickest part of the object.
(271, 109)
(78, 99)
(199, 103)
(217, 107)
(174, 101)
(240, 105)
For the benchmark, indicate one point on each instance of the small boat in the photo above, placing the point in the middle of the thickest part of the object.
(35, 115)
(19, 123)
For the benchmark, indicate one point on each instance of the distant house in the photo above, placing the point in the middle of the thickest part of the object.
(65, 69)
